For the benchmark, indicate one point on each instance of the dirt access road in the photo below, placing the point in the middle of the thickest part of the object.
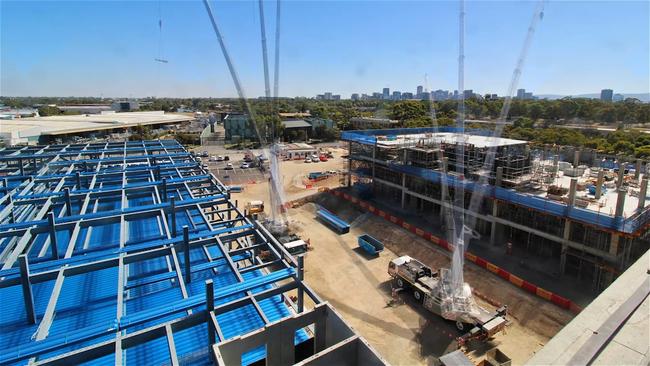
(358, 286)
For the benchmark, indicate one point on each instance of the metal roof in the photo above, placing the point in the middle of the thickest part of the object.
(106, 251)
(68, 124)
(296, 124)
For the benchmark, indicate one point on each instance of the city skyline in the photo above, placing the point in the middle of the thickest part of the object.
(108, 48)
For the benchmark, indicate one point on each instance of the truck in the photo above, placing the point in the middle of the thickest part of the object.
(254, 207)
(432, 289)
(316, 176)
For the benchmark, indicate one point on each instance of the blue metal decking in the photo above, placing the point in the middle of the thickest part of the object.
(109, 246)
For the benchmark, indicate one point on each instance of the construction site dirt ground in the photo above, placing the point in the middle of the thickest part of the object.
(294, 176)
(359, 287)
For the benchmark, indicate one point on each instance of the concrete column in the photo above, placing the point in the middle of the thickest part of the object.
(374, 155)
(599, 184)
(642, 193)
(576, 158)
(620, 202)
(209, 305)
(320, 336)
(443, 188)
(495, 226)
(26, 283)
(637, 169)
(566, 234)
(572, 192)
(186, 242)
(301, 277)
(613, 244)
(349, 164)
(403, 189)
(621, 174)
(499, 179)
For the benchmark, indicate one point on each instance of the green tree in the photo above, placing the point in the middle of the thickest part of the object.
(408, 110)
(47, 110)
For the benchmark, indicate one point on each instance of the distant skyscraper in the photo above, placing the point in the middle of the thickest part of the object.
(336, 97)
(528, 95)
(606, 95)
(425, 96)
(328, 96)
(376, 95)
(355, 96)
(386, 93)
(397, 95)
(468, 93)
(419, 91)
(521, 93)
(440, 95)
(618, 98)
(407, 95)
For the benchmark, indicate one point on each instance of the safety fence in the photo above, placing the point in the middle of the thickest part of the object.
(515, 280)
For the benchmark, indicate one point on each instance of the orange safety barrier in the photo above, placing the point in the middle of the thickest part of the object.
(519, 282)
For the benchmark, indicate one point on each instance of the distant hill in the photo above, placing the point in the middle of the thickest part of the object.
(644, 97)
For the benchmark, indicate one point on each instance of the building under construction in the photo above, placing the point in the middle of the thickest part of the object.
(131, 253)
(584, 215)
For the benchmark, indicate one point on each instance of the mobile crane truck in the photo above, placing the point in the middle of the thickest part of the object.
(433, 290)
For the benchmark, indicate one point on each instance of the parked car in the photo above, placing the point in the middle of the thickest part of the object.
(323, 158)
(307, 160)
(245, 166)
(213, 158)
(205, 166)
(226, 158)
(204, 154)
(220, 158)
(228, 166)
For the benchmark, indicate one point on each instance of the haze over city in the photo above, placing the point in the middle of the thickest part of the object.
(108, 48)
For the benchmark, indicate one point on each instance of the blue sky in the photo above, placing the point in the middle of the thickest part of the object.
(92, 48)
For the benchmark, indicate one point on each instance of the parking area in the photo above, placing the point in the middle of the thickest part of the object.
(236, 175)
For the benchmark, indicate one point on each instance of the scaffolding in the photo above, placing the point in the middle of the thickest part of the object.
(132, 253)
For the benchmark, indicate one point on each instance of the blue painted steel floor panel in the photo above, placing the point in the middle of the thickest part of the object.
(86, 310)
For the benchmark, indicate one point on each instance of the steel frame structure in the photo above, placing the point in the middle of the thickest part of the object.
(131, 253)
